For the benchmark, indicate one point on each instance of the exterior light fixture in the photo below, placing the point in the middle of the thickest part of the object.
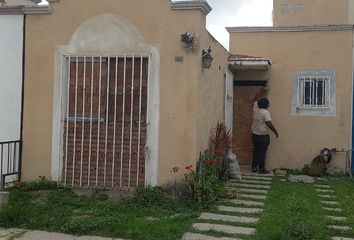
(207, 58)
(188, 39)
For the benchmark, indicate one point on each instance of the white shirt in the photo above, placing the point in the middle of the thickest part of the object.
(260, 117)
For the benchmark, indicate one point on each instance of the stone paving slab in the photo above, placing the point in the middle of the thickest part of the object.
(244, 185)
(197, 236)
(4, 198)
(255, 174)
(344, 228)
(330, 202)
(301, 178)
(7, 233)
(257, 178)
(322, 179)
(322, 186)
(252, 196)
(227, 218)
(342, 238)
(244, 202)
(326, 196)
(21, 234)
(223, 228)
(251, 181)
(239, 209)
(246, 190)
(332, 209)
(324, 191)
(335, 218)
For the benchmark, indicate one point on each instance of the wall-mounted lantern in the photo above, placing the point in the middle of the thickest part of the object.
(188, 39)
(207, 59)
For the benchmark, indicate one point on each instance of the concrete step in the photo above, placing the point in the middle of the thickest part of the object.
(244, 202)
(326, 196)
(341, 238)
(256, 174)
(247, 190)
(324, 191)
(330, 203)
(197, 236)
(223, 228)
(239, 209)
(332, 209)
(250, 181)
(251, 186)
(252, 196)
(258, 178)
(322, 186)
(336, 227)
(335, 218)
(227, 218)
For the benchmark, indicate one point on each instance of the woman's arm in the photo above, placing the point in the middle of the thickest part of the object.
(271, 127)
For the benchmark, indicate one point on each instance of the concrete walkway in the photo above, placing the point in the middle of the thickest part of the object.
(234, 219)
(12, 234)
(332, 207)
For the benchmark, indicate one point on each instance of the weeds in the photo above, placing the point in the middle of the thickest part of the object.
(61, 210)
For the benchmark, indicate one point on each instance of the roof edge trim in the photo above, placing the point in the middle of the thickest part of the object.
(291, 28)
(18, 10)
(202, 5)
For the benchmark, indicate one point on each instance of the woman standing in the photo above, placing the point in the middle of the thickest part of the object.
(262, 121)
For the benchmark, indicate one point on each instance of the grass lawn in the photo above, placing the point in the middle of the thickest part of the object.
(293, 211)
(147, 215)
(344, 190)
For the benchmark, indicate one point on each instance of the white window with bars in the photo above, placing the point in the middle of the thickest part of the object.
(314, 93)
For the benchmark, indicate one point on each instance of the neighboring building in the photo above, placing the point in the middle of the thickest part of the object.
(307, 60)
(19, 2)
(12, 15)
(113, 98)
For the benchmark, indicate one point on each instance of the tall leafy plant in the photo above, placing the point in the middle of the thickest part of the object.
(220, 143)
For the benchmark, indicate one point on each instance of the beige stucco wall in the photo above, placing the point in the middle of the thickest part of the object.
(160, 27)
(301, 137)
(314, 12)
(211, 87)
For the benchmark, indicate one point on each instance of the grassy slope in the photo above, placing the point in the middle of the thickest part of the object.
(293, 212)
(63, 211)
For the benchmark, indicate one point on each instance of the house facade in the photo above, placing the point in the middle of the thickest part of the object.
(113, 98)
(306, 59)
(12, 29)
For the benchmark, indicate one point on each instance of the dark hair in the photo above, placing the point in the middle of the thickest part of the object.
(263, 103)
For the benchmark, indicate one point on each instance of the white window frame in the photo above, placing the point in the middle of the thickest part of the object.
(326, 86)
(299, 8)
(298, 108)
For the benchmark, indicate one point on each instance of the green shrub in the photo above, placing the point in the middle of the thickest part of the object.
(41, 184)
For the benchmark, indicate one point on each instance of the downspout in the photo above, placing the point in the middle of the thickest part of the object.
(22, 97)
(352, 139)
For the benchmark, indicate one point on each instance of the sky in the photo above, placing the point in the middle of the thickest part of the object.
(235, 13)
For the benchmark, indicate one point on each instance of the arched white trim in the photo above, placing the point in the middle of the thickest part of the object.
(109, 35)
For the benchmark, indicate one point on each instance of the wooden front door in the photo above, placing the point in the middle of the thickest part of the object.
(244, 94)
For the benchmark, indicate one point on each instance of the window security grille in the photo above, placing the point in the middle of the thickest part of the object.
(314, 91)
(105, 120)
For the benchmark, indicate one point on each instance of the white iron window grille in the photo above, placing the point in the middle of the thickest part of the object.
(314, 91)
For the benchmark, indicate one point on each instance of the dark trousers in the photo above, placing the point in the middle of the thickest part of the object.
(260, 143)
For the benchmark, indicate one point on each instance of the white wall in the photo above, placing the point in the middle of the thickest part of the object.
(351, 12)
(11, 45)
